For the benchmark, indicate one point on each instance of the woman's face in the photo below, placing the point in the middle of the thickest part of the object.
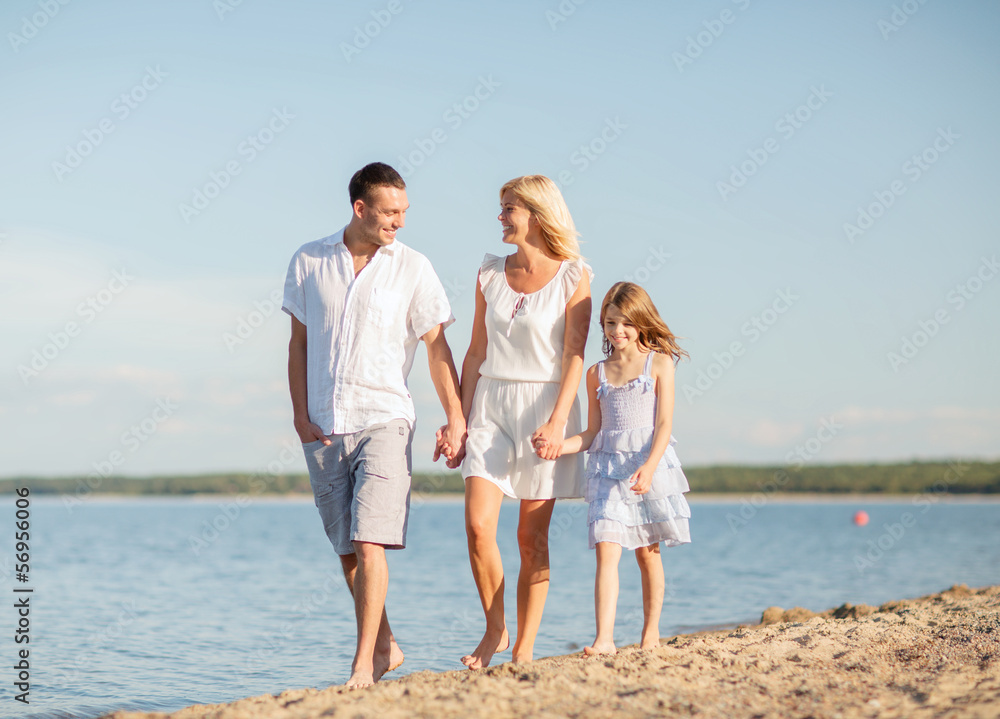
(515, 219)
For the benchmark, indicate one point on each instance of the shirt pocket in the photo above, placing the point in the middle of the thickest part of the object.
(384, 307)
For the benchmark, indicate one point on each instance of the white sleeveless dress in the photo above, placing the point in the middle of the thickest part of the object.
(617, 514)
(519, 384)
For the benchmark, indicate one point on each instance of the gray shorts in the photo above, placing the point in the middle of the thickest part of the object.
(361, 483)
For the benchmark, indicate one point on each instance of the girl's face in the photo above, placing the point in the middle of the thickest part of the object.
(619, 331)
(515, 218)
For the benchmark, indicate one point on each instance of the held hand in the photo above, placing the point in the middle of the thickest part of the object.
(547, 440)
(450, 443)
(309, 432)
(440, 446)
(546, 451)
(457, 460)
(641, 480)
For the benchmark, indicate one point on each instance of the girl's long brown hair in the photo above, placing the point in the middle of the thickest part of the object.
(636, 306)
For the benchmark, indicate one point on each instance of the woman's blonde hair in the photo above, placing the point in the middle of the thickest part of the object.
(546, 203)
(638, 309)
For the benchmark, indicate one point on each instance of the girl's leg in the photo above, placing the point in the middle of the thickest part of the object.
(651, 570)
(605, 598)
(482, 512)
(533, 581)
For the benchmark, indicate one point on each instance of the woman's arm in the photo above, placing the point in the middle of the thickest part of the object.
(581, 442)
(663, 373)
(548, 438)
(476, 354)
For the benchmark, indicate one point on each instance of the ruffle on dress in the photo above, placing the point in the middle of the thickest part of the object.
(672, 533)
(573, 275)
(488, 270)
(618, 455)
(650, 511)
(646, 382)
(572, 271)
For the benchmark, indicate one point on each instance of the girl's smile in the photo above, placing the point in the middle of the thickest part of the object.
(619, 331)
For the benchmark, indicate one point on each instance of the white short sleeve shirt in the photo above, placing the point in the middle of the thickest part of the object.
(362, 332)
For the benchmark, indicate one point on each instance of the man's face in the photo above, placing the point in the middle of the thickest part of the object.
(382, 214)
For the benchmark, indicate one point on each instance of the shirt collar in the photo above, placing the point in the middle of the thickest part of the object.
(337, 238)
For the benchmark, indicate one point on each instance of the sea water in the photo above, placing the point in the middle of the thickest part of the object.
(158, 603)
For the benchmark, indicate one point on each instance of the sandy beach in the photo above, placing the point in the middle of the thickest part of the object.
(936, 656)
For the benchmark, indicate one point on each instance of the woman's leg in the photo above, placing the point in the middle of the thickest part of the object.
(482, 511)
(651, 570)
(533, 580)
(605, 598)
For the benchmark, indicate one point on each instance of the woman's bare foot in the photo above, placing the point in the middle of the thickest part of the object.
(650, 640)
(490, 645)
(602, 647)
(387, 661)
(523, 655)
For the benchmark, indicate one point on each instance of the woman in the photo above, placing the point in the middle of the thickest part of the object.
(519, 385)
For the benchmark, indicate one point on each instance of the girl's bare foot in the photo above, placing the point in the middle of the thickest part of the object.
(602, 647)
(650, 640)
(490, 645)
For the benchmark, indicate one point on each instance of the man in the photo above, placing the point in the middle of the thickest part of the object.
(360, 301)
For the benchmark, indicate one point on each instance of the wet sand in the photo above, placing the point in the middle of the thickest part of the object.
(936, 656)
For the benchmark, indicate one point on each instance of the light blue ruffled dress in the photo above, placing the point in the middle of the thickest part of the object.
(617, 514)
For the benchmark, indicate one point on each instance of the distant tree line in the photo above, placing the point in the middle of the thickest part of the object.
(955, 477)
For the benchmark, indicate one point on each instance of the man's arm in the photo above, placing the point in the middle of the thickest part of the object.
(445, 378)
(307, 431)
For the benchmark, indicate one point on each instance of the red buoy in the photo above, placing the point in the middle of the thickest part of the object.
(861, 518)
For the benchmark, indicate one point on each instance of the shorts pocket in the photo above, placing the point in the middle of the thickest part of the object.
(385, 467)
(387, 451)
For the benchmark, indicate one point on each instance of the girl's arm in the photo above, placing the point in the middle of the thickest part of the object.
(548, 438)
(663, 373)
(474, 359)
(581, 442)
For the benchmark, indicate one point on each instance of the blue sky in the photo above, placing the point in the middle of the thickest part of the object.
(713, 151)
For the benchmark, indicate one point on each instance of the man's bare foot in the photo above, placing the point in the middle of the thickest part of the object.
(490, 645)
(360, 680)
(606, 647)
(650, 641)
(387, 661)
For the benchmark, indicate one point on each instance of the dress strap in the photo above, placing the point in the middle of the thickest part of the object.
(648, 369)
(600, 373)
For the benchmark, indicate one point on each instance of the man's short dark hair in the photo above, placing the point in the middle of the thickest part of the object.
(377, 174)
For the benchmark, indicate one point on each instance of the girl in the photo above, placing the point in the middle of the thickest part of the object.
(635, 484)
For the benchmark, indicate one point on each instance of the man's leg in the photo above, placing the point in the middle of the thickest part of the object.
(388, 655)
(371, 582)
(380, 465)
